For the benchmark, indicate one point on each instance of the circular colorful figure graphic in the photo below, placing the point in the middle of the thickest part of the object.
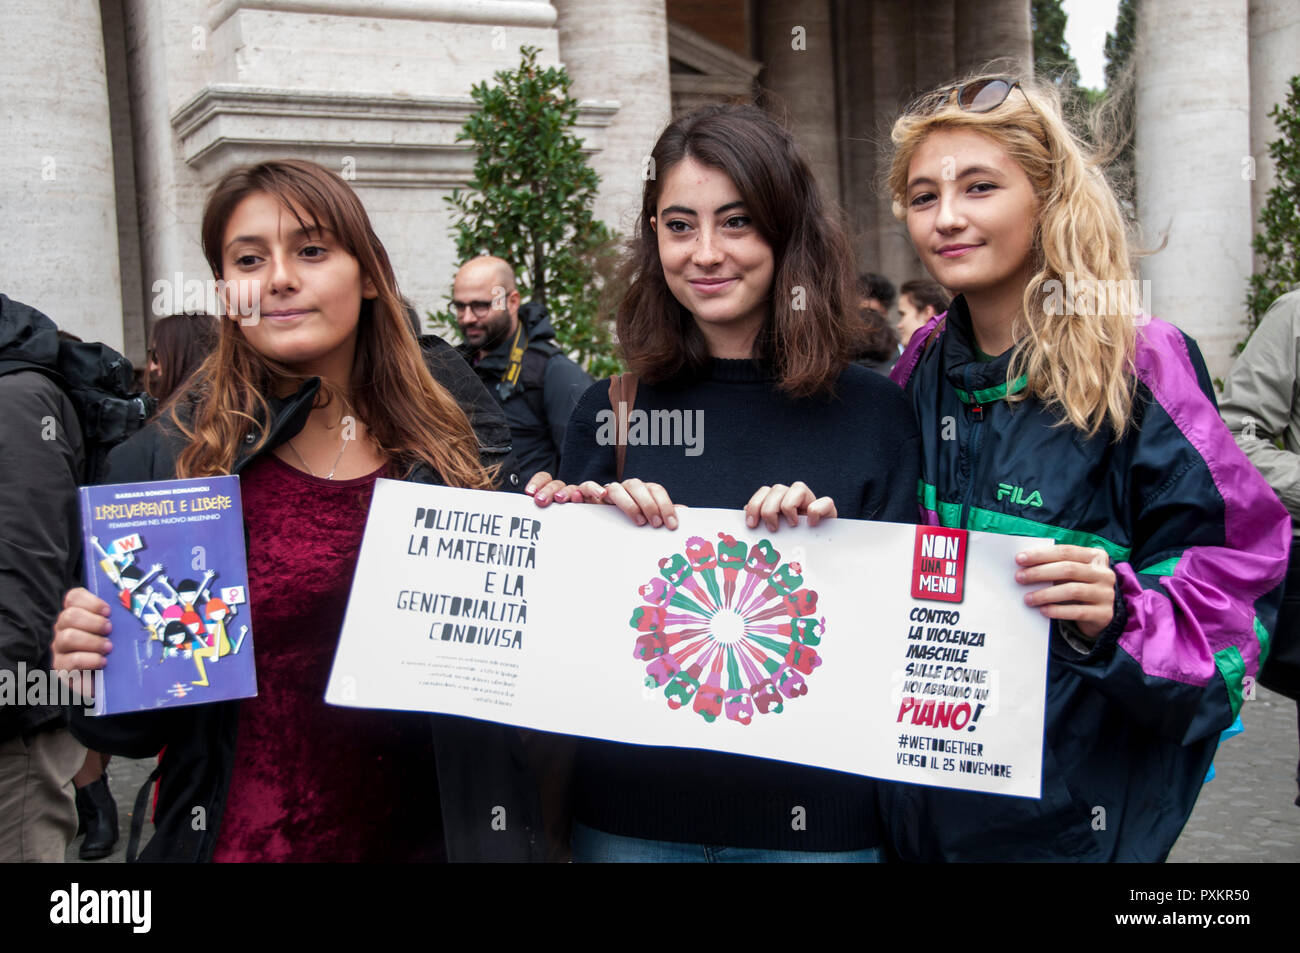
(728, 628)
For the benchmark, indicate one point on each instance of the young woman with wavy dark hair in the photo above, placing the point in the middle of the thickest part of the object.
(808, 319)
(741, 313)
(317, 388)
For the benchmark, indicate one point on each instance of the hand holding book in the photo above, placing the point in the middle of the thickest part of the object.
(80, 636)
(166, 574)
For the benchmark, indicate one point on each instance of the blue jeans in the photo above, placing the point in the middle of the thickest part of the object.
(591, 846)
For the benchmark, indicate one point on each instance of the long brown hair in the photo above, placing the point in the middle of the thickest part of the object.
(812, 331)
(179, 344)
(409, 415)
(881, 340)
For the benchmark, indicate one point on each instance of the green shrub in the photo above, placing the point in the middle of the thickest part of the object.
(530, 203)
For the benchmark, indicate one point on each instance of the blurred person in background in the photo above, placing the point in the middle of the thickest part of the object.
(919, 300)
(39, 554)
(876, 292)
(512, 348)
(179, 344)
(880, 347)
(1261, 409)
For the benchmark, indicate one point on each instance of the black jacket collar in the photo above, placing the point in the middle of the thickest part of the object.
(961, 365)
(288, 417)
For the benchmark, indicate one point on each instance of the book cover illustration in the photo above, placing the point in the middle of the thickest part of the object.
(168, 557)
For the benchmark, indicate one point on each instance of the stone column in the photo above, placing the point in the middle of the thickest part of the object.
(994, 30)
(934, 44)
(619, 51)
(58, 246)
(1274, 40)
(861, 129)
(135, 319)
(1193, 131)
(892, 55)
(169, 53)
(800, 71)
(888, 52)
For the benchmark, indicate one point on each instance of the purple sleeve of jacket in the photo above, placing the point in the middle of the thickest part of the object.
(1202, 584)
(906, 362)
(900, 375)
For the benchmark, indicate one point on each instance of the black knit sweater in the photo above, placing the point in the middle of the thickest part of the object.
(860, 448)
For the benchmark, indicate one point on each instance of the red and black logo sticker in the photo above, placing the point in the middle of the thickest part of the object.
(939, 564)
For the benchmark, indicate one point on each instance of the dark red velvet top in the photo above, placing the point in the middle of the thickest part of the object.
(314, 782)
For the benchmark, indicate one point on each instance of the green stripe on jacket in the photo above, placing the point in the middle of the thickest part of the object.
(989, 521)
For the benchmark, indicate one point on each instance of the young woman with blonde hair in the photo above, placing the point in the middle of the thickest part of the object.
(317, 388)
(1051, 406)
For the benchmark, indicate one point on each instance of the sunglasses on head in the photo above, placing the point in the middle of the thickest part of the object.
(980, 96)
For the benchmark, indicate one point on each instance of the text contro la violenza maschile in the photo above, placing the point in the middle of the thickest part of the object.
(945, 691)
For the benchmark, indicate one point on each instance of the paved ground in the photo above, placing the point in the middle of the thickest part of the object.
(1247, 813)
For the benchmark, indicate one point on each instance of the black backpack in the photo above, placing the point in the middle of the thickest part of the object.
(100, 383)
(97, 379)
(532, 376)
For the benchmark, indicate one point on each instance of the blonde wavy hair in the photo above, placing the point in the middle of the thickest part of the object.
(1075, 337)
(410, 416)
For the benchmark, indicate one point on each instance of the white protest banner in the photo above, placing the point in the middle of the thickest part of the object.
(899, 652)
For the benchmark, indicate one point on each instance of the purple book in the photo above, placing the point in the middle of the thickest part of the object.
(168, 557)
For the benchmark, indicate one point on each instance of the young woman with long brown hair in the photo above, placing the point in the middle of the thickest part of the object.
(741, 312)
(310, 398)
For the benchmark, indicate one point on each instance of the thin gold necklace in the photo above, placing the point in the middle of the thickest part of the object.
(330, 475)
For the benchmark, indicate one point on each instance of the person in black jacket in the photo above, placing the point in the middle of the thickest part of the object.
(309, 398)
(39, 552)
(512, 348)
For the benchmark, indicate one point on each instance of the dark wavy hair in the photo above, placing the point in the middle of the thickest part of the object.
(180, 343)
(881, 343)
(872, 285)
(925, 293)
(807, 347)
